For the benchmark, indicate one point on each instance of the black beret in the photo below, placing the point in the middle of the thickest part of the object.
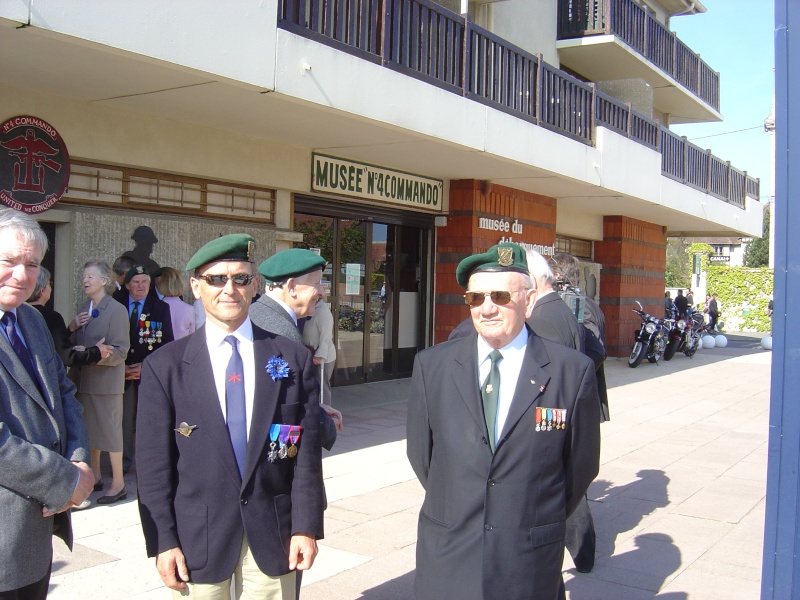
(235, 246)
(290, 263)
(503, 257)
(134, 271)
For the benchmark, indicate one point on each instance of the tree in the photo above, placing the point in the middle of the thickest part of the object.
(757, 252)
(678, 272)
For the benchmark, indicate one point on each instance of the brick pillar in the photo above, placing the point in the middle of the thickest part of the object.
(469, 201)
(634, 258)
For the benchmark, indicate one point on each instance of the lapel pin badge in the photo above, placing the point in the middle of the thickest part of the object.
(185, 429)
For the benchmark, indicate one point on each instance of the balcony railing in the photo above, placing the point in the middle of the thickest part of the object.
(640, 30)
(423, 40)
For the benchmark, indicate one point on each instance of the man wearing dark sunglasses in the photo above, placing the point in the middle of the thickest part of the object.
(230, 477)
(503, 434)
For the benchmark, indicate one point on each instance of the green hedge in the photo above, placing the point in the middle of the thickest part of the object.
(743, 295)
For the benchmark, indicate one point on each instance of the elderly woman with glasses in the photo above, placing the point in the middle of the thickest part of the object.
(100, 385)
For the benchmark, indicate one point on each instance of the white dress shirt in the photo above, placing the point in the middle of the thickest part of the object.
(509, 367)
(220, 352)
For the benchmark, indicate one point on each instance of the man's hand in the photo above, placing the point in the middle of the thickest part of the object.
(318, 360)
(82, 490)
(335, 415)
(171, 565)
(133, 372)
(302, 551)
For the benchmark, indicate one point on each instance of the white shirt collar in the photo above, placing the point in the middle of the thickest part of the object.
(215, 335)
(518, 344)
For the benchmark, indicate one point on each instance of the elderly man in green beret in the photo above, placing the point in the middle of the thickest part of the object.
(504, 435)
(150, 328)
(230, 478)
(293, 288)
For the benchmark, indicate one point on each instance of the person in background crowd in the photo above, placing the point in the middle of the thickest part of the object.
(172, 286)
(294, 286)
(121, 266)
(504, 436)
(230, 481)
(318, 338)
(669, 305)
(43, 439)
(551, 318)
(150, 327)
(681, 304)
(713, 312)
(55, 322)
(100, 385)
(690, 298)
(581, 540)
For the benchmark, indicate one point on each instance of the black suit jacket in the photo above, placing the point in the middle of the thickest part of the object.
(156, 310)
(492, 524)
(553, 320)
(190, 493)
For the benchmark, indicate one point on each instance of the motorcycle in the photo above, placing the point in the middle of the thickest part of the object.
(650, 340)
(684, 335)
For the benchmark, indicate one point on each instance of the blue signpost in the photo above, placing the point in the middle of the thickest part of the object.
(781, 566)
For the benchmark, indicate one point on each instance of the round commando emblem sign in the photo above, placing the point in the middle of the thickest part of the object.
(34, 164)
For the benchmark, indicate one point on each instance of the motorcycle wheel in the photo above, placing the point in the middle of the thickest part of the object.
(637, 355)
(691, 346)
(671, 349)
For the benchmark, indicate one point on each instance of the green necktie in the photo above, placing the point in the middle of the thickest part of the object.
(135, 314)
(490, 392)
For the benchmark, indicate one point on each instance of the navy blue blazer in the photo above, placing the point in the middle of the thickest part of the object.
(190, 493)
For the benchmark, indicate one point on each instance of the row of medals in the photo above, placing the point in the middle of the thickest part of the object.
(148, 334)
(284, 451)
(557, 418)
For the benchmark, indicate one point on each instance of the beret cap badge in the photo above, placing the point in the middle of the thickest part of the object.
(505, 256)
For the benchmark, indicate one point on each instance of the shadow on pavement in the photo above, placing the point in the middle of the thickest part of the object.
(653, 557)
(399, 588)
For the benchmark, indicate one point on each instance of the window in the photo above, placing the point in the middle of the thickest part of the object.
(149, 190)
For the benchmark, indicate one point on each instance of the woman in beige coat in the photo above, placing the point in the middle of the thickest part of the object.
(100, 385)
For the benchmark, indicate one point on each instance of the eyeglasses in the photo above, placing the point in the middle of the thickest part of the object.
(222, 280)
(501, 298)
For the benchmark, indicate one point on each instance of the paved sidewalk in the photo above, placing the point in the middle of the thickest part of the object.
(678, 503)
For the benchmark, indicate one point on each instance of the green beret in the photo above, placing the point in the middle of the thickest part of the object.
(134, 271)
(290, 263)
(504, 257)
(235, 246)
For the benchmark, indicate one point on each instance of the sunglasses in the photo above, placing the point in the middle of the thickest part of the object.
(222, 280)
(501, 298)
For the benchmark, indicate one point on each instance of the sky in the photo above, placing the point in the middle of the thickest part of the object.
(735, 38)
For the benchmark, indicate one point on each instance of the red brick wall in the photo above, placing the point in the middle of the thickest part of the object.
(633, 254)
(469, 201)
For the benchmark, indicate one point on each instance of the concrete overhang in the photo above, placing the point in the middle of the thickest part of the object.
(57, 66)
(607, 58)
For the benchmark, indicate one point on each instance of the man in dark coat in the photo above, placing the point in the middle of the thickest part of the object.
(505, 444)
(150, 328)
(43, 439)
(230, 481)
(293, 288)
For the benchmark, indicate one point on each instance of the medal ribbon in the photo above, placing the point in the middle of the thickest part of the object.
(294, 433)
(274, 432)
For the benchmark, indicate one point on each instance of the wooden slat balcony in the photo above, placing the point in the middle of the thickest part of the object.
(423, 40)
(618, 39)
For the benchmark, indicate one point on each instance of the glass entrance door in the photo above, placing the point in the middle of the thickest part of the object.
(374, 287)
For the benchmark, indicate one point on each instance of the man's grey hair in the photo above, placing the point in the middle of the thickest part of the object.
(41, 282)
(25, 226)
(568, 266)
(123, 264)
(539, 269)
